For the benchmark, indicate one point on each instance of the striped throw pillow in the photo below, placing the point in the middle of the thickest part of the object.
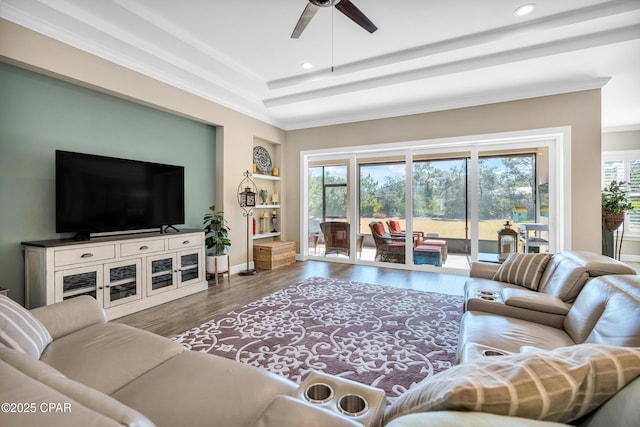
(21, 331)
(560, 385)
(523, 269)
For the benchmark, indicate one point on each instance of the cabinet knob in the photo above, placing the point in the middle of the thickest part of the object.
(144, 248)
(186, 242)
(99, 287)
(87, 255)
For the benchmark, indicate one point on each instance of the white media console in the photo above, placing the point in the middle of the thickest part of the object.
(124, 273)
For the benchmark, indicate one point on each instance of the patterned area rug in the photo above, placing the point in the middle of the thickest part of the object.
(383, 336)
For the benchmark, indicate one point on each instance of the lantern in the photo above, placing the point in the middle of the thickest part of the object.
(507, 241)
(247, 201)
(247, 198)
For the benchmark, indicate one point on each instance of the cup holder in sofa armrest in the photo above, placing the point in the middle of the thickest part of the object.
(353, 405)
(318, 393)
(490, 352)
(487, 295)
(344, 398)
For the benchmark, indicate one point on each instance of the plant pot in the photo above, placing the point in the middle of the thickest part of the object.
(612, 220)
(221, 261)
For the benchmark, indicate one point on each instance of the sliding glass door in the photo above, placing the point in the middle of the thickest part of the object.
(448, 214)
(328, 220)
(440, 210)
(506, 193)
(382, 206)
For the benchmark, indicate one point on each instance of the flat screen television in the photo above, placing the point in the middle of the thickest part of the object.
(105, 194)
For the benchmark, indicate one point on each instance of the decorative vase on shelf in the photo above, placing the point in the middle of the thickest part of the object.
(263, 196)
(274, 221)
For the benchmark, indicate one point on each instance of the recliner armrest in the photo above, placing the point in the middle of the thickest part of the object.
(286, 411)
(71, 315)
(533, 300)
(483, 270)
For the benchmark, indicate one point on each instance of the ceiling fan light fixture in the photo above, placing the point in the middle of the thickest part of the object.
(525, 9)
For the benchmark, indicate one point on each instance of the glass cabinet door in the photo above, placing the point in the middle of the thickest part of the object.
(161, 274)
(79, 281)
(191, 269)
(122, 282)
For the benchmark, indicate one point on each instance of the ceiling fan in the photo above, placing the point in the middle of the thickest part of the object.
(344, 6)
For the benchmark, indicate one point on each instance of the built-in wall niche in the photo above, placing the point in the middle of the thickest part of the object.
(267, 215)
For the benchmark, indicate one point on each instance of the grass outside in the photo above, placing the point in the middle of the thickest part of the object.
(444, 228)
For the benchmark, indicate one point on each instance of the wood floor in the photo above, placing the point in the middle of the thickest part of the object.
(181, 315)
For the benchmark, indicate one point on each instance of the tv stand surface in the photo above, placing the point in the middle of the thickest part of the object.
(125, 273)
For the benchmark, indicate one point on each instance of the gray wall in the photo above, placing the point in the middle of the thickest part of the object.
(39, 114)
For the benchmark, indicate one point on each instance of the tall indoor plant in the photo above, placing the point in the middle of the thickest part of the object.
(614, 205)
(216, 240)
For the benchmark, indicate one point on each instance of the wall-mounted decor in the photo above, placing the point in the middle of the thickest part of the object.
(262, 159)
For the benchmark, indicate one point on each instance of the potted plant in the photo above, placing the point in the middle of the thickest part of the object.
(614, 205)
(216, 240)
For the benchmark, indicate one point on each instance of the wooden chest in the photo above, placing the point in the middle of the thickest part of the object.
(272, 255)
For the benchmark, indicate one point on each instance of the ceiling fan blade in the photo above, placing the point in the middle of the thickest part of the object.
(353, 13)
(304, 20)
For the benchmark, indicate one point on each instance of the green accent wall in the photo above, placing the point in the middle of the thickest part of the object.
(40, 114)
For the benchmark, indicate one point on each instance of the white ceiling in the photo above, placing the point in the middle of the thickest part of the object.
(425, 56)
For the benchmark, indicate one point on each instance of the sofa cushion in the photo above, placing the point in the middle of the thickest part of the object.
(560, 385)
(21, 331)
(600, 265)
(70, 315)
(509, 334)
(564, 276)
(523, 269)
(107, 356)
(537, 301)
(55, 399)
(606, 312)
(193, 388)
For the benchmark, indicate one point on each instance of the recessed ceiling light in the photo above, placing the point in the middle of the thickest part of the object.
(307, 65)
(525, 9)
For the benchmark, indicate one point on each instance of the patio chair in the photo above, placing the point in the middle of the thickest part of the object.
(395, 229)
(388, 248)
(336, 237)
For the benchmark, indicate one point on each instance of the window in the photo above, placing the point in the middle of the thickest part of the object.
(451, 196)
(327, 200)
(625, 166)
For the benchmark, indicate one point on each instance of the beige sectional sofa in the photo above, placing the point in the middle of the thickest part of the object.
(65, 365)
(541, 291)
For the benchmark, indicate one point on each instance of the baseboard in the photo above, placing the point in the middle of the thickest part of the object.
(235, 269)
(629, 258)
